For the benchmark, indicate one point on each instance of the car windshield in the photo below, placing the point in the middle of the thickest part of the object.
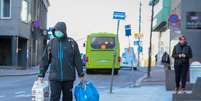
(103, 42)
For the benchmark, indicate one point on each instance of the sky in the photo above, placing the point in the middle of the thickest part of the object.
(87, 16)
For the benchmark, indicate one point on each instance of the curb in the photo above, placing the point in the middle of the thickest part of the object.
(30, 74)
(139, 81)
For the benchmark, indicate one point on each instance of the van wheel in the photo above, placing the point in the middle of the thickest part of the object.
(116, 72)
(88, 71)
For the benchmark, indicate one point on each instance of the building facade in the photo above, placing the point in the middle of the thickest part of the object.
(22, 32)
(189, 24)
(161, 26)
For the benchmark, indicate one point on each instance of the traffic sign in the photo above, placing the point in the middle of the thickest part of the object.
(128, 30)
(173, 19)
(119, 15)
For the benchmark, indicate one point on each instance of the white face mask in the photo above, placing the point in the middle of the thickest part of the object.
(58, 34)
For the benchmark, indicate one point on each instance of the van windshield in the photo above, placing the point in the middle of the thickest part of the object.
(103, 42)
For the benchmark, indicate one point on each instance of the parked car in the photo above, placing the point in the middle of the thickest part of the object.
(127, 58)
(124, 62)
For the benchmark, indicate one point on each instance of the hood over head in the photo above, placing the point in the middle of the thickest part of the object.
(61, 26)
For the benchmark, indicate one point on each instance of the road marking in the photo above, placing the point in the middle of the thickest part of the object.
(23, 95)
(139, 81)
(19, 92)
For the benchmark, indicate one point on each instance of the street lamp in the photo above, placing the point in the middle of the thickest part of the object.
(152, 3)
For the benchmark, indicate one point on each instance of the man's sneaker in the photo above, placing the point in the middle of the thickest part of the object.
(182, 91)
(176, 90)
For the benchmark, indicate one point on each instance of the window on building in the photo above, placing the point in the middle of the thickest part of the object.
(5, 9)
(25, 11)
(158, 7)
(193, 20)
(0, 8)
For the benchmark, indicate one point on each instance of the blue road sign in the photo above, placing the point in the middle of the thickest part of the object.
(173, 19)
(119, 15)
(128, 30)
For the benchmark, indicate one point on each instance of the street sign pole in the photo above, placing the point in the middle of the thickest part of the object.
(118, 16)
(114, 58)
(129, 45)
(128, 33)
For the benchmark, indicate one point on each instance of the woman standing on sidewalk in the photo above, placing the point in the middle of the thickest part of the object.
(166, 61)
(182, 52)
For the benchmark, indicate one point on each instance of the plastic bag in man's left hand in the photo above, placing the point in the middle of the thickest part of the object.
(85, 91)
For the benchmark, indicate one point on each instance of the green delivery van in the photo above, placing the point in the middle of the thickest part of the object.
(100, 52)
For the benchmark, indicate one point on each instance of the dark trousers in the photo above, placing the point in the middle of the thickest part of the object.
(181, 74)
(57, 87)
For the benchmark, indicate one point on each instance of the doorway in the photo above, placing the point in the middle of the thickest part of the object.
(22, 52)
(5, 51)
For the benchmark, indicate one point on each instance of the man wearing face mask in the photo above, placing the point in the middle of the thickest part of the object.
(181, 53)
(63, 54)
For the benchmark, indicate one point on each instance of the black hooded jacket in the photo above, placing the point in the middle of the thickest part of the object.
(182, 49)
(165, 58)
(62, 56)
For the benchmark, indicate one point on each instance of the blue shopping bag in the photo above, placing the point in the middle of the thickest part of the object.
(85, 91)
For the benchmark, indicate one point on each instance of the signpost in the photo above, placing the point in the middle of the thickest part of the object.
(173, 20)
(128, 32)
(117, 16)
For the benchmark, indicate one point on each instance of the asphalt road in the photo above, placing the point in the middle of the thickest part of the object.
(19, 88)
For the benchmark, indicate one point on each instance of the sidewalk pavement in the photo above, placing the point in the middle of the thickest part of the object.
(146, 89)
(144, 93)
(157, 77)
(16, 72)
